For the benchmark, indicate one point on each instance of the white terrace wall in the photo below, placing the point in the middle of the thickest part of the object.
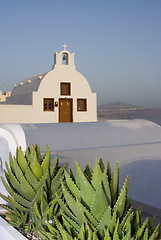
(16, 113)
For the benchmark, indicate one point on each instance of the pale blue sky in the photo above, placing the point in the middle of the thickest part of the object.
(117, 44)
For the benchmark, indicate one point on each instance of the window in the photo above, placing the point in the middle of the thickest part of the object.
(65, 89)
(81, 104)
(49, 104)
(65, 58)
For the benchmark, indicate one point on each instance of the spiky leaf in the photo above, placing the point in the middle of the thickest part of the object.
(114, 183)
(120, 204)
(97, 175)
(34, 164)
(46, 160)
(72, 186)
(87, 191)
(100, 203)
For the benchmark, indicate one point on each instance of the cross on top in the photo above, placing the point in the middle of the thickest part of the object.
(64, 46)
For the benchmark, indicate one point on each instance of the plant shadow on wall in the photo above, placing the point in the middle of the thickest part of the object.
(44, 198)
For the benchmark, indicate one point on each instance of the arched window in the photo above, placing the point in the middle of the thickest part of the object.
(65, 58)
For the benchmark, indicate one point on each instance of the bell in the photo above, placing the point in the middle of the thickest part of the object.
(64, 57)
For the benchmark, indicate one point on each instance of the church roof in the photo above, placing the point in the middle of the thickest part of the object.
(28, 85)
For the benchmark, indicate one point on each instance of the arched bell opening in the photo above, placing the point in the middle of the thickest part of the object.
(65, 58)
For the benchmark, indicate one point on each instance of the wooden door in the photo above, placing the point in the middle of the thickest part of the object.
(65, 110)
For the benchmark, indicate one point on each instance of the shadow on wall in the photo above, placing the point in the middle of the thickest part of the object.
(145, 180)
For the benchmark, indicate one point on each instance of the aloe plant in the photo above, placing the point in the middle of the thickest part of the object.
(31, 183)
(92, 207)
(89, 206)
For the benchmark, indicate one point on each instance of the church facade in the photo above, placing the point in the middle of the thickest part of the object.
(60, 95)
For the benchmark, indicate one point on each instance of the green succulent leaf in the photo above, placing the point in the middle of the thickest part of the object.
(114, 183)
(109, 172)
(72, 186)
(70, 200)
(59, 174)
(88, 172)
(140, 231)
(27, 155)
(11, 179)
(64, 233)
(113, 223)
(46, 160)
(36, 210)
(137, 220)
(120, 204)
(26, 189)
(84, 211)
(95, 236)
(81, 234)
(105, 221)
(116, 236)
(127, 219)
(38, 152)
(52, 229)
(106, 187)
(55, 188)
(97, 175)
(11, 163)
(34, 164)
(107, 235)
(127, 236)
(65, 208)
(30, 177)
(54, 167)
(87, 191)
(151, 222)
(18, 206)
(69, 223)
(155, 233)
(43, 205)
(145, 236)
(100, 203)
(102, 165)
(8, 208)
(18, 172)
(42, 181)
(20, 199)
(21, 160)
(7, 200)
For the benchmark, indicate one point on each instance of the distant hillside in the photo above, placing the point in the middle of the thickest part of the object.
(116, 105)
(119, 110)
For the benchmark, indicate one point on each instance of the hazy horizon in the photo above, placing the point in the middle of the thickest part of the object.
(117, 45)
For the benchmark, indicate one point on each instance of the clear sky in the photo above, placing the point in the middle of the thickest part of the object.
(117, 44)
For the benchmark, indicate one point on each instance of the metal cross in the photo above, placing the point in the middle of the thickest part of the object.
(64, 46)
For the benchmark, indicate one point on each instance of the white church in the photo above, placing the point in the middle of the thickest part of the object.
(60, 95)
